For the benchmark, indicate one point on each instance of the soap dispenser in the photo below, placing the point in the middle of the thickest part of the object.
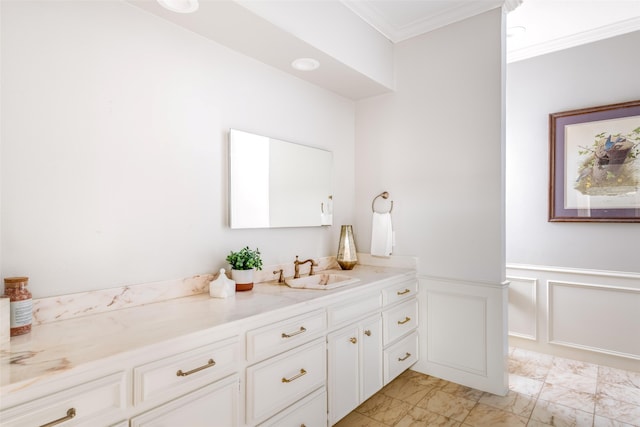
(222, 287)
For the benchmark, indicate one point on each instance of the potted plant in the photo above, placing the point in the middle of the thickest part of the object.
(243, 264)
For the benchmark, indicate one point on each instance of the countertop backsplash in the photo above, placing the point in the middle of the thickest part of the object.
(51, 309)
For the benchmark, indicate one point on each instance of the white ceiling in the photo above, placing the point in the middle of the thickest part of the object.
(550, 25)
(553, 25)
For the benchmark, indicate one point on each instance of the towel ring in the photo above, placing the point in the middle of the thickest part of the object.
(384, 195)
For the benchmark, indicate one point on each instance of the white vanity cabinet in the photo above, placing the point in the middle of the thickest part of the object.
(379, 343)
(399, 325)
(307, 359)
(354, 365)
(287, 362)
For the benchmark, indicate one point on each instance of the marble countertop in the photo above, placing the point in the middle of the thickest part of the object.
(60, 346)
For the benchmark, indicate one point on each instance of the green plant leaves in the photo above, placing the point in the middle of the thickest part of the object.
(245, 259)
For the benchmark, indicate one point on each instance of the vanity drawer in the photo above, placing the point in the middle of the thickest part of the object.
(399, 320)
(216, 404)
(309, 412)
(354, 309)
(284, 335)
(400, 357)
(174, 375)
(400, 292)
(98, 402)
(278, 382)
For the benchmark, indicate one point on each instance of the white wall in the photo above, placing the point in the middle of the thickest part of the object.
(114, 144)
(572, 284)
(595, 74)
(436, 146)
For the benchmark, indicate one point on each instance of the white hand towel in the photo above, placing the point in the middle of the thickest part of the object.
(381, 234)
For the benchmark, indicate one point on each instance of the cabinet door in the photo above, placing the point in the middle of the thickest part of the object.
(215, 405)
(344, 384)
(371, 357)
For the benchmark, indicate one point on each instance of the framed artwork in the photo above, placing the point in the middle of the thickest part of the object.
(594, 157)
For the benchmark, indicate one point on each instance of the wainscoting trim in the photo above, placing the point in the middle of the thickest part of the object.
(579, 271)
(533, 282)
(596, 315)
(551, 284)
(463, 332)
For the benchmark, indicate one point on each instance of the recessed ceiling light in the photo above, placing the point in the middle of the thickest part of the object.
(516, 31)
(305, 64)
(180, 6)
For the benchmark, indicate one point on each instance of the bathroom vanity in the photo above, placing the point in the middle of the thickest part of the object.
(275, 356)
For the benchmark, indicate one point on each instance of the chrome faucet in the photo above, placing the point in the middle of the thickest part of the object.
(297, 265)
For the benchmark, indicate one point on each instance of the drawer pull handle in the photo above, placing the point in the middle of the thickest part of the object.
(367, 333)
(71, 412)
(353, 340)
(402, 322)
(295, 377)
(209, 364)
(293, 334)
(406, 291)
(406, 356)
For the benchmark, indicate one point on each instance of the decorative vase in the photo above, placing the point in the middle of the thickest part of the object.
(347, 258)
(243, 279)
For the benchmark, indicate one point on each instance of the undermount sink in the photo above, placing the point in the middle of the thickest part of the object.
(322, 281)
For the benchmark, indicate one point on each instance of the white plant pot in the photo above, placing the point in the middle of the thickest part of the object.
(243, 279)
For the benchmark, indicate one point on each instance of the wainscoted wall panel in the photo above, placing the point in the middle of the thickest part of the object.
(463, 344)
(589, 315)
(464, 332)
(584, 316)
(523, 317)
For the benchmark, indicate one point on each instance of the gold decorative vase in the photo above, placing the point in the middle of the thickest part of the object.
(347, 258)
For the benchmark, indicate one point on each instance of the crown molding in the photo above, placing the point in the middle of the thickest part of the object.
(511, 5)
(446, 17)
(578, 39)
(456, 13)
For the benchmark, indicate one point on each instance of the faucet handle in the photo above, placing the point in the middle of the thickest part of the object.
(313, 264)
(281, 276)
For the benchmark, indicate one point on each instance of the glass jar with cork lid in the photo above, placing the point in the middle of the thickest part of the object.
(21, 311)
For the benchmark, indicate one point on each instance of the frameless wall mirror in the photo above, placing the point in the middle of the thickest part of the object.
(275, 183)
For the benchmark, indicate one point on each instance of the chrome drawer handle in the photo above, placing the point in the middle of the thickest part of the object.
(295, 377)
(71, 412)
(293, 334)
(353, 340)
(209, 364)
(367, 333)
(406, 356)
(406, 291)
(402, 322)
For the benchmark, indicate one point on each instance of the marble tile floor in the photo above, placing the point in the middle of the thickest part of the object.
(543, 391)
